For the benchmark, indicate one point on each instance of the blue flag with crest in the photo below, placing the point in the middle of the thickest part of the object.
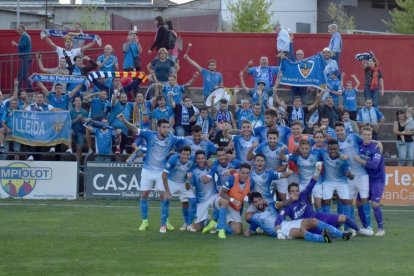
(307, 72)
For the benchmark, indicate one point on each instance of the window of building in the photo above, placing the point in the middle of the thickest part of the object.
(303, 27)
(384, 4)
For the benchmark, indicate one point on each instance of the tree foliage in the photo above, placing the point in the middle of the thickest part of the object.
(251, 16)
(89, 20)
(339, 16)
(402, 19)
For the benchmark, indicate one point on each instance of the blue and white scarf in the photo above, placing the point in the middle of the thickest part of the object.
(204, 123)
(185, 116)
(297, 114)
(58, 78)
(63, 33)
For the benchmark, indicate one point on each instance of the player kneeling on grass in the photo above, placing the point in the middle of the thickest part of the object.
(300, 207)
(175, 178)
(230, 201)
(205, 189)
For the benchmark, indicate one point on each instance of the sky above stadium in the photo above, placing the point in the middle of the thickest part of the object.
(180, 1)
(80, 1)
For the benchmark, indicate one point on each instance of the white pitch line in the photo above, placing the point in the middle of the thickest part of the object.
(134, 207)
(77, 205)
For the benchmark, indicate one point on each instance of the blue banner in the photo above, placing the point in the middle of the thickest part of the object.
(58, 78)
(63, 33)
(308, 72)
(41, 128)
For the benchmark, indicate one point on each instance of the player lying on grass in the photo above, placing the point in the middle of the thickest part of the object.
(260, 214)
(300, 206)
(264, 215)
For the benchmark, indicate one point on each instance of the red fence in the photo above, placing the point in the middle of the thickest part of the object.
(233, 50)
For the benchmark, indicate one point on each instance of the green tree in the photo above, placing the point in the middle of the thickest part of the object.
(89, 20)
(251, 16)
(402, 19)
(340, 17)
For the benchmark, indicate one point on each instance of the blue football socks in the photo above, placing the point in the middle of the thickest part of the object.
(143, 203)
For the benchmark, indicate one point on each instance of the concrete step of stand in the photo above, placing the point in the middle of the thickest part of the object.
(390, 98)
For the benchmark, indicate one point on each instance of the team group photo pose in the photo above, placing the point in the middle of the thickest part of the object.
(172, 146)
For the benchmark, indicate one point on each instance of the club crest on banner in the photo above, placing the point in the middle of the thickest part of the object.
(306, 67)
(58, 126)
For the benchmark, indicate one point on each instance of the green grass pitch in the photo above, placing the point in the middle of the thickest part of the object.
(98, 237)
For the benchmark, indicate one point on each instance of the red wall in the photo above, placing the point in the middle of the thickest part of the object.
(233, 50)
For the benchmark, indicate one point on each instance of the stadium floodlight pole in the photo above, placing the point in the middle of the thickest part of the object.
(18, 14)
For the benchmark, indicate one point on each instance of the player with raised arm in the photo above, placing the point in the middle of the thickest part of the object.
(159, 144)
(275, 154)
(300, 206)
(176, 179)
(371, 158)
(300, 210)
(260, 213)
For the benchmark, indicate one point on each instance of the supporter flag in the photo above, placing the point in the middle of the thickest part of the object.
(308, 72)
(58, 78)
(41, 128)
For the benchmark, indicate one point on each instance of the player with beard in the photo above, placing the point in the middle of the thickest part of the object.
(275, 154)
(159, 143)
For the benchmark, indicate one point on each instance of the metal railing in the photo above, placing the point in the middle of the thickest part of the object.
(10, 64)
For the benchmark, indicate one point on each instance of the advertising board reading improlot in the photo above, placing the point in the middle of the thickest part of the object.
(38, 179)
